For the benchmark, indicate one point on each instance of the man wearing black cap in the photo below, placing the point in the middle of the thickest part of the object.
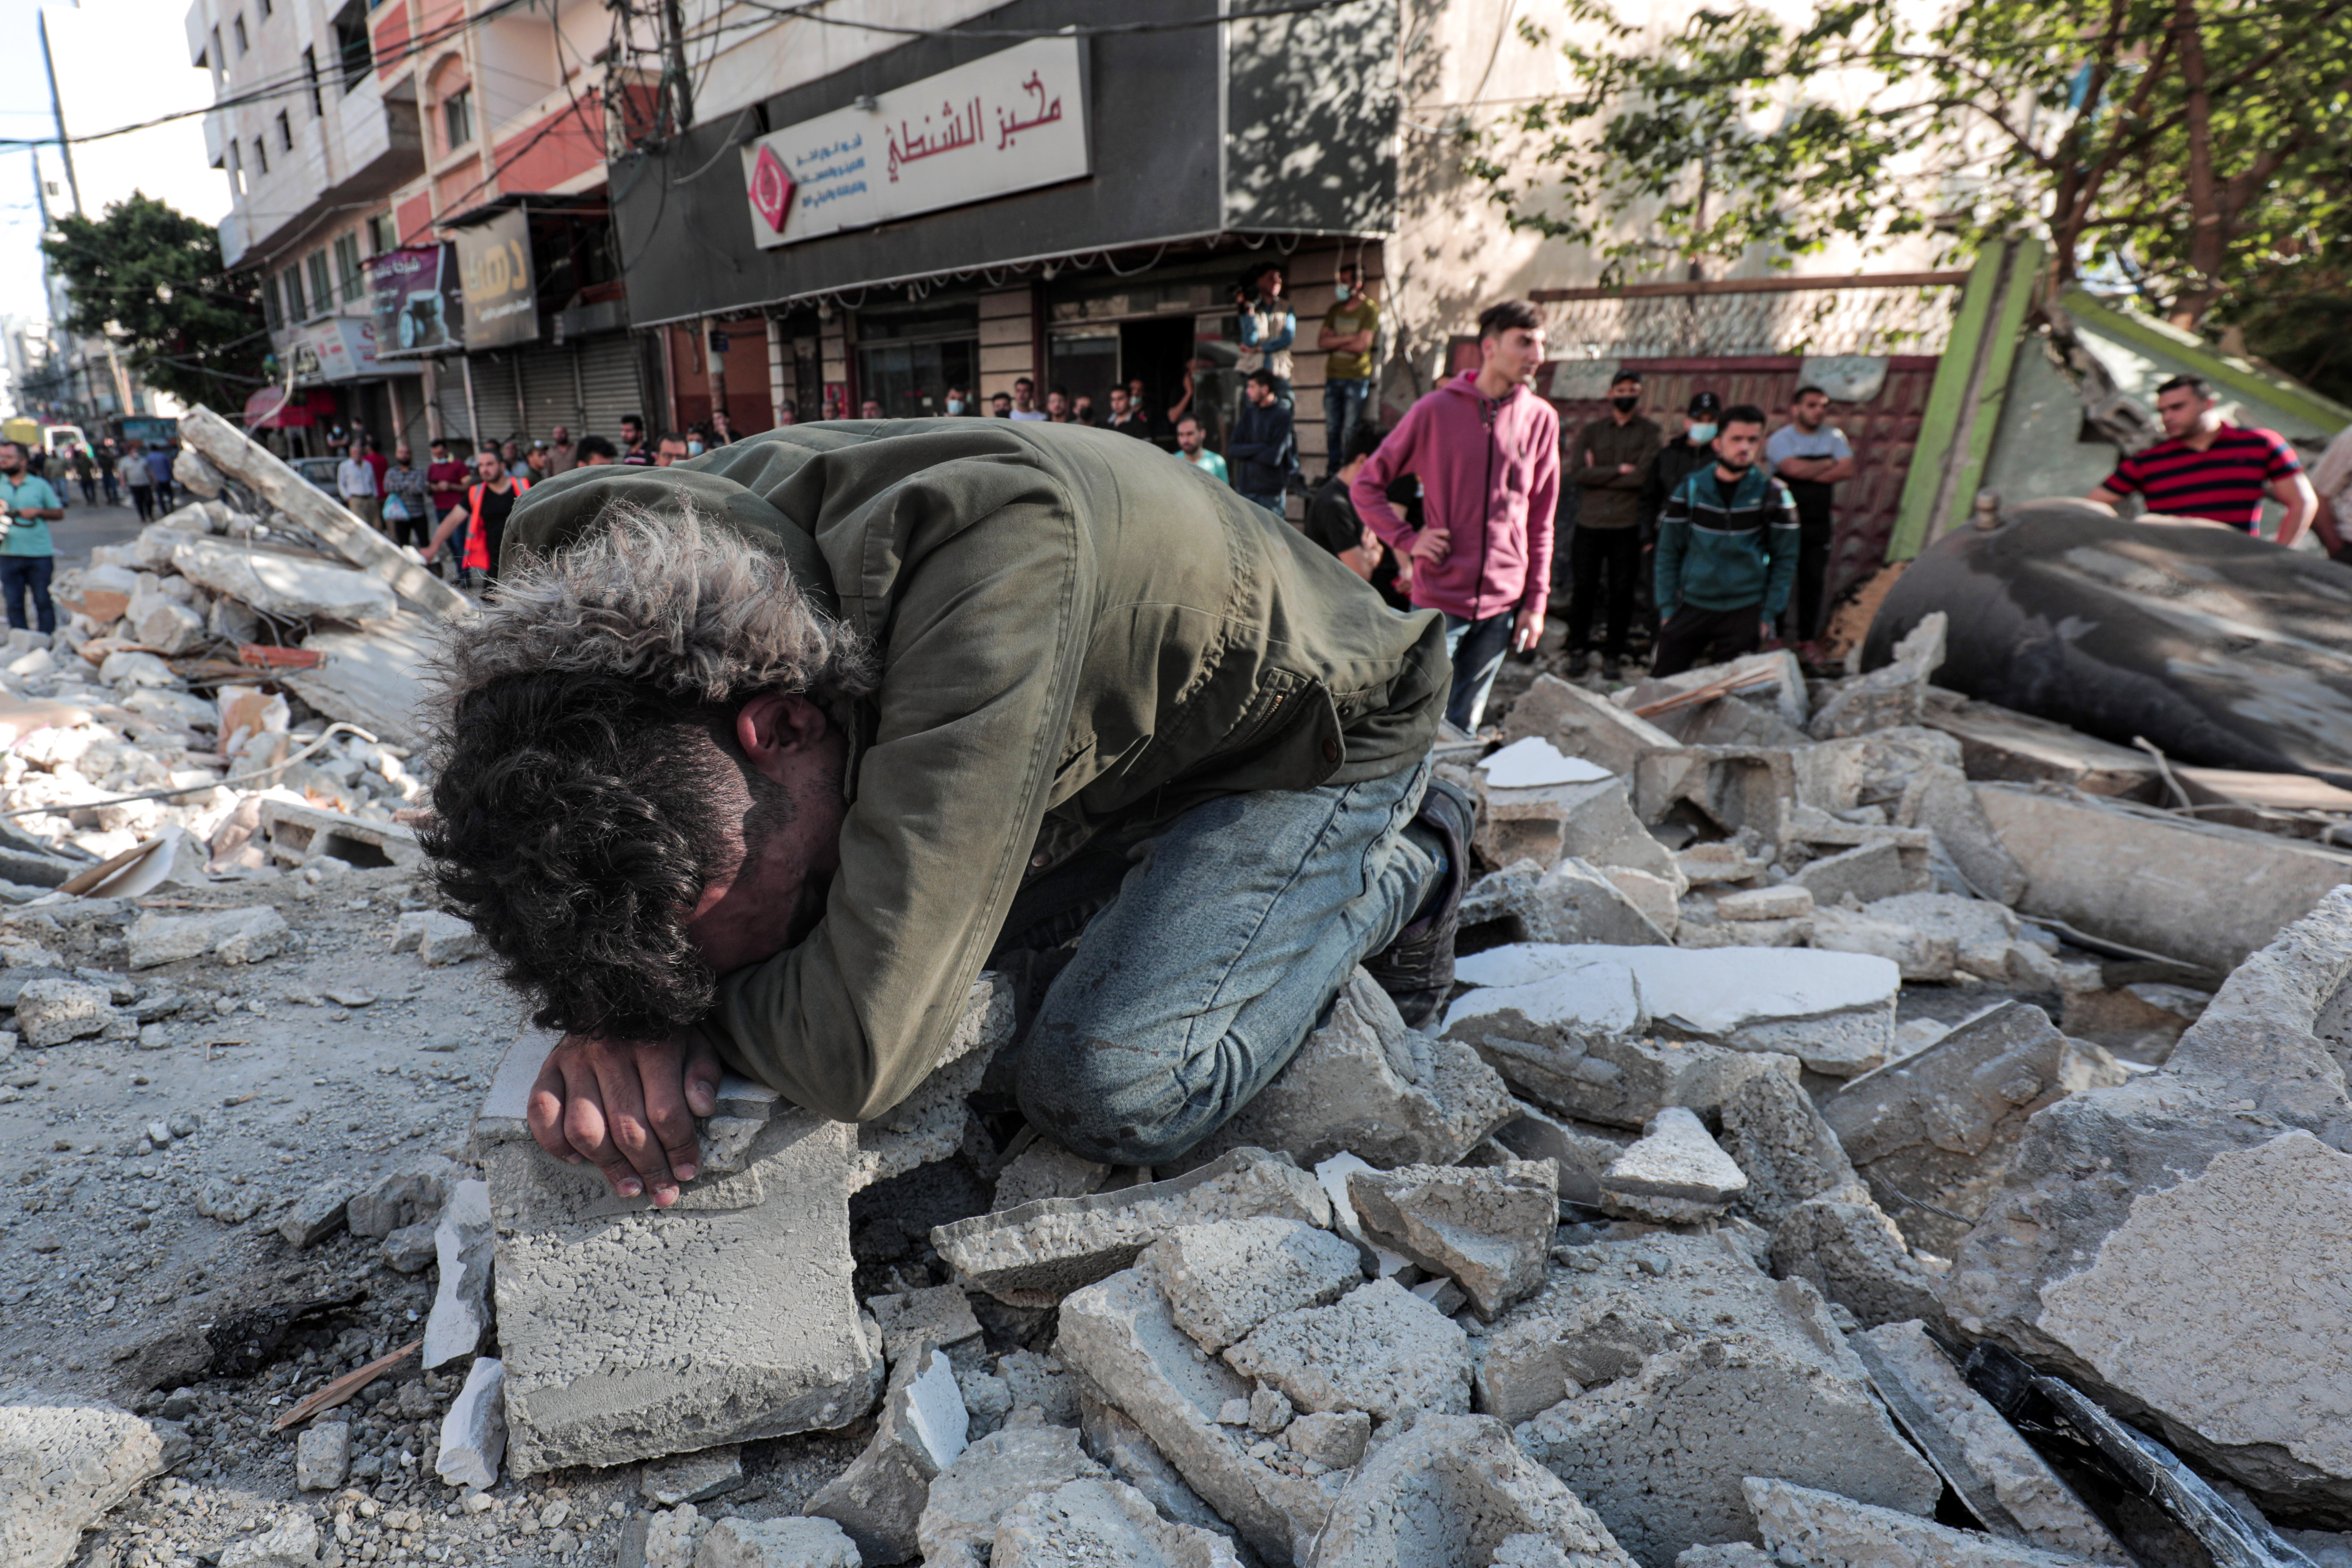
(1610, 464)
(1674, 463)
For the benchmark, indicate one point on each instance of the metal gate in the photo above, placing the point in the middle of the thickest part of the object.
(550, 392)
(608, 384)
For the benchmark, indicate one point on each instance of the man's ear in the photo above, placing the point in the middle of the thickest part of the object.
(775, 729)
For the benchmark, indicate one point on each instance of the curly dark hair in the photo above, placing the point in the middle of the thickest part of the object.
(587, 785)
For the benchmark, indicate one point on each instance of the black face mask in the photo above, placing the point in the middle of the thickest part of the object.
(1624, 404)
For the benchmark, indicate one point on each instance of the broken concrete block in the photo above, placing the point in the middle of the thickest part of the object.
(282, 585)
(1045, 1169)
(1335, 1439)
(1800, 1524)
(687, 1364)
(1489, 1229)
(1223, 1279)
(1941, 1126)
(1939, 798)
(474, 1432)
(1851, 1253)
(234, 936)
(297, 834)
(1865, 872)
(1700, 927)
(1572, 902)
(1894, 694)
(463, 1239)
(129, 668)
(1379, 1349)
(322, 1455)
(692, 1477)
(166, 625)
(989, 1479)
(1082, 1523)
(1118, 1334)
(940, 1316)
(317, 1214)
(740, 1543)
(1659, 1455)
(881, 1499)
(1040, 1383)
(1034, 1255)
(1833, 1011)
(409, 1194)
(1658, 897)
(1789, 901)
(1773, 1132)
(1730, 788)
(1674, 1174)
(1581, 724)
(62, 1467)
(436, 938)
(1708, 865)
(1918, 955)
(291, 1542)
(931, 1123)
(55, 1012)
(1578, 1152)
(1453, 1489)
(1122, 1444)
(2197, 892)
(1995, 1459)
(1365, 1083)
(1981, 933)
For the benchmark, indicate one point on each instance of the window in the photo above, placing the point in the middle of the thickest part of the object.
(311, 75)
(217, 59)
(323, 293)
(353, 55)
(264, 10)
(294, 311)
(285, 131)
(261, 154)
(243, 48)
(384, 234)
(236, 166)
(457, 118)
(271, 311)
(347, 268)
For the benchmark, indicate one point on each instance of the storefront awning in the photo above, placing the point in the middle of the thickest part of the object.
(271, 408)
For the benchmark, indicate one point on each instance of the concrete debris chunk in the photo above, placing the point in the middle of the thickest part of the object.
(1851, 1253)
(740, 1543)
(1335, 1439)
(1040, 1383)
(1580, 724)
(291, 1542)
(1121, 1444)
(322, 1455)
(1119, 1336)
(409, 1194)
(1489, 1229)
(1454, 1490)
(1789, 901)
(1572, 902)
(1774, 1133)
(1034, 1255)
(436, 938)
(1941, 1126)
(1045, 1169)
(56, 1012)
(989, 1479)
(317, 1214)
(881, 1499)
(474, 1432)
(1223, 1280)
(232, 936)
(933, 1121)
(62, 1467)
(1084, 1523)
(1379, 1349)
(1365, 1083)
(297, 834)
(283, 586)
(1867, 872)
(1659, 1456)
(1895, 694)
(1921, 956)
(1578, 1152)
(1726, 1555)
(940, 1316)
(692, 1477)
(1824, 1530)
(1996, 1458)
(1674, 1174)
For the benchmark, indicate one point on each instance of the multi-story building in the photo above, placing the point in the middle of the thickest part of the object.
(372, 150)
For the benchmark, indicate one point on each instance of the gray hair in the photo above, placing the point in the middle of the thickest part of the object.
(688, 607)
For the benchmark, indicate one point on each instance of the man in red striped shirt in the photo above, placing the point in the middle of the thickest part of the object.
(2207, 467)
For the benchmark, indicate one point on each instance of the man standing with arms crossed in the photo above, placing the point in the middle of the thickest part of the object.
(1348, 332)
(1604, 554)
(1488, 452)
(1808, 454)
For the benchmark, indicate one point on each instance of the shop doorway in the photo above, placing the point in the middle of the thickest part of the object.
(911, 380)
(1157, 352)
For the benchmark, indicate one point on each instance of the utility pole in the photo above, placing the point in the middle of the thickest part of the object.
(679, 86)
(73, 188)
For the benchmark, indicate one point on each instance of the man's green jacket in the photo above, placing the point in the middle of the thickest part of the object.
(1078, 630)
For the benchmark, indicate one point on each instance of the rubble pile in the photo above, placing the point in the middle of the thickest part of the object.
(1779, 1108)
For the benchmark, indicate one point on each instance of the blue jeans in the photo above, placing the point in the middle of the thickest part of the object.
(19, 573)
(1272, 502)
(1211, 950)
(1344, 403)
(1476, 648)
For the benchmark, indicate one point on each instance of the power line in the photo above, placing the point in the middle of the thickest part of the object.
(808, 12)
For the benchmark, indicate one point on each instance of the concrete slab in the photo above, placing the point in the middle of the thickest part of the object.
(1572, 902)
(1581, 724)
(1489, 1229)
(881, 1499)
(990, 1480)
(1084, 1523)
(1675, 1173)
(1822, 1530)
(1223, 1279)
(1455, 1490)
(1379, 1349)
(1851, 1253)
(62, 1467)
(1775, 1135)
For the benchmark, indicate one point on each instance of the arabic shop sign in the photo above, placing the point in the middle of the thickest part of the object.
(494, 274)
(1013, 122)
(414, 295)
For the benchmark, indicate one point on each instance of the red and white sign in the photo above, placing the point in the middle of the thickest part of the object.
(1012, 121)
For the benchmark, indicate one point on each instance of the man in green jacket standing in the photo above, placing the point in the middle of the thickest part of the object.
(1728, 541)
(762, 757)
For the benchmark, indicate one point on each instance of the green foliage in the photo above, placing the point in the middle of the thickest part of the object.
(2179, 144)
(193, 330)
(2300, 319)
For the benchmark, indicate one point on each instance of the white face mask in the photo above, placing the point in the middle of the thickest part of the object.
(694, 449)
(1342, 292)
(1700, 434)
(955, 405)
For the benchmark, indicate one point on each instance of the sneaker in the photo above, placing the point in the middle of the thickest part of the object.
(1576, 662)
(1612, 670)
(1417, 969)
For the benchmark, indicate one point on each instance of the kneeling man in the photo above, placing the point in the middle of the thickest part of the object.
(759, 758)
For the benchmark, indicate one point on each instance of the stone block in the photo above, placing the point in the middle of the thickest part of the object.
(988, 1480)
(322, 1455)
(1119, 1335)
(1993, 1458)
(1851, 1253)
(1941, 1125)
(1865, 872)
(56, 1012)
(1455, 1489)
(692, 1477)
(1658, 897)
(410, 1194)
(234, 936)
(1084, 1523)
(881, 1499)
(1039, 1252)
(291, 1542)
(62, 1467)
(740, 1543)
(1121, 1444)
(630, 1331)
(282, 585)
(436, 938)
(1981, 933)
(1774, 1133)
(462, 1240)
(165, 624)
(1045, 1169)
(1789, 901)
(1365, 1083)
(1730, 788)
(1333, 1438)
(1675, 1173)
(1581, 724)
(1572, 902)
(1918, 955)
(1822, 1530)
(1379, 1349)
(1659, 1455)
(474, 1431)
(1223, 1279)
(1579, 1152)
(1489, 1229)
(940, 1316)
(317, 1214)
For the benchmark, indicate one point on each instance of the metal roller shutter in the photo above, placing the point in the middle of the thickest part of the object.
(550, 392)
(450, 397)
(608, 380)
(497, 413)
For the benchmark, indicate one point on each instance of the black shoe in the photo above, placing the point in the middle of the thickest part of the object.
(1417, 969)
(1578, 661)
(1612, 670)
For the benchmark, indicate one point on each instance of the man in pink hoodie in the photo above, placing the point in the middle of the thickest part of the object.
(1487, 451)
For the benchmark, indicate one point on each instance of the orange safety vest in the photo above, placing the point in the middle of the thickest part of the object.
(477, 544)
